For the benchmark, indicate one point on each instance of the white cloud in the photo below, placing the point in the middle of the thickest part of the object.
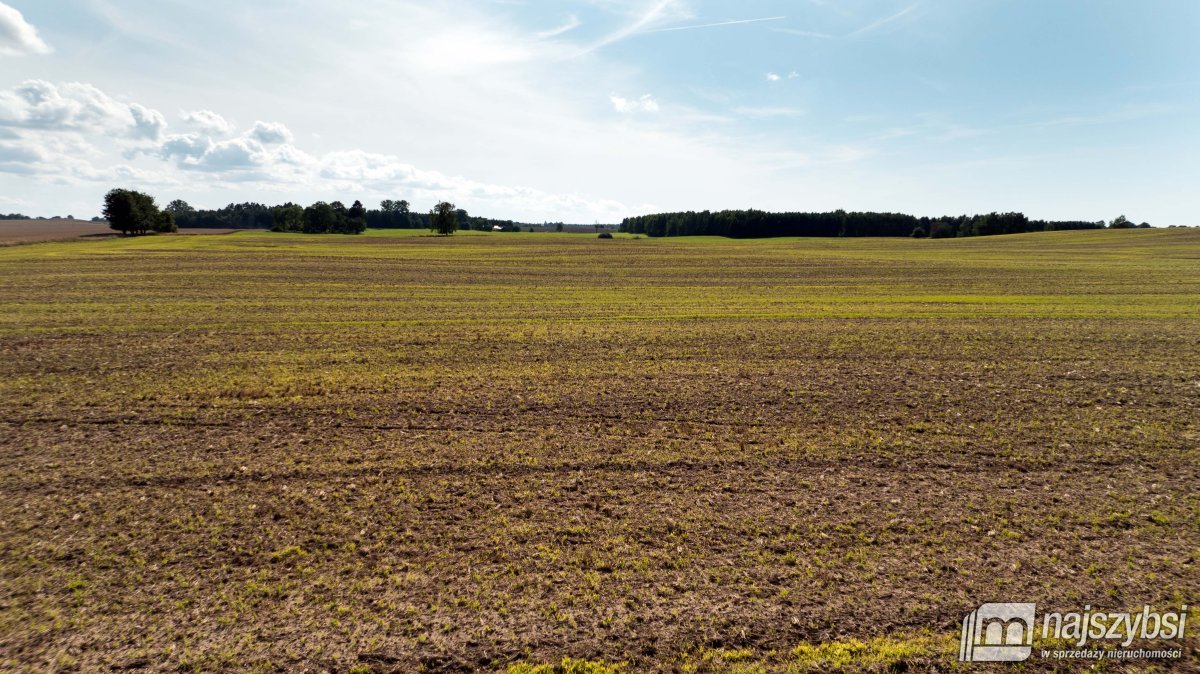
(74, 106)
(270, 133)
(17, 36)
(238, 154)
(57, 157)
(147, 123)
(185, 147)
(631, 105)
(207, 121)
(264, 152)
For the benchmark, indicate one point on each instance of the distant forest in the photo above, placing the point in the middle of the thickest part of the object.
(760, 224)
(391, 214)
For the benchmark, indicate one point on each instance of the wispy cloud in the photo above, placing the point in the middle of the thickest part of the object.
(753, 112)
(803, 33)
(731, 22)
(653, 13)
(656, 13)
(1124, 113)
(571, 24)
(876, 25)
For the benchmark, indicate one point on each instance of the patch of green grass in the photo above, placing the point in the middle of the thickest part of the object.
(876, 655)
(568, 666)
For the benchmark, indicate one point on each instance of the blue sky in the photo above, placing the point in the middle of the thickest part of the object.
(590, 110)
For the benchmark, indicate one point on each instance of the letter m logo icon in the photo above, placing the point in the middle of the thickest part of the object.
(998, 633)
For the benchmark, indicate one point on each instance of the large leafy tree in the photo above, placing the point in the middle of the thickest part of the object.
(320, 218)
(442, 219)
(133, 212)
(288, 218)
(392, 213)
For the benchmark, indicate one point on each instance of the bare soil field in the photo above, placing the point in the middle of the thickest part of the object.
(535, 453)
(26, 231)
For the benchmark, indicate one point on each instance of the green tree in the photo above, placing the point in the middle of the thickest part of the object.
(320, 218)
(181, 211)
(1121, 222)
(395, 213)
(130, 212)
(442, 219)
(164, 223)
(288, 218)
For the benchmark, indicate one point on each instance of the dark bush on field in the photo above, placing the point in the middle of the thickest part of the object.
(606, 235)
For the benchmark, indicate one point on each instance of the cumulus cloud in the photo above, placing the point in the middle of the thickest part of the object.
(184, 147)
(270, 133)
(64, 158)
(206, 121)
(773, 77)
(147, 123)
(55, 133)
(75, 106)
(645, 103)
(238, 154)
(17, 36)
(263, 153)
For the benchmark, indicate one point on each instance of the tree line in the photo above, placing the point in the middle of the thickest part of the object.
(321, 217)
(750, 224)
(134, 212)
